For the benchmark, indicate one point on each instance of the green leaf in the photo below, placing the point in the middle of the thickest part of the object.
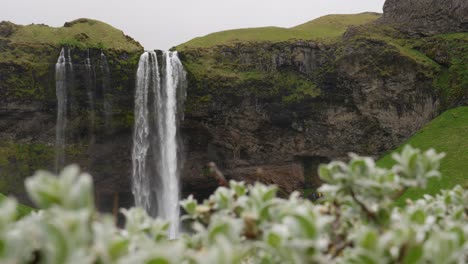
(324, 173)
(413, 255)
(273, 239)
(307, 226)
(418, 217)
(158, 260)
(270, 194)
(118, 249)
(370, 240)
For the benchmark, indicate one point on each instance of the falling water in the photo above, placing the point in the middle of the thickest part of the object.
(105, 71)
(69, 62)
(168, 193)
(89, 77)
(61, 92)
(156, 180)
(142, 187)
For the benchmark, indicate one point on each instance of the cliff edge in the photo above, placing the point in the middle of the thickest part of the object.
(427, 17)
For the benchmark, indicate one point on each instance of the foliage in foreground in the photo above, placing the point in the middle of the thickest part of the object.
(446, 133)
(357, 223)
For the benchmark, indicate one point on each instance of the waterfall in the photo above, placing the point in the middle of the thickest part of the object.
(69, 62)
(89, 77)
(61, 92)
(168, 192)
(142, 186)
(105, 72)
(155, 156)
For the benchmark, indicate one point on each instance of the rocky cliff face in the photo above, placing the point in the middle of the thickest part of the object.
(359, 96)
(266, 111)
(28, 106)
(427, 17)
(273, 111)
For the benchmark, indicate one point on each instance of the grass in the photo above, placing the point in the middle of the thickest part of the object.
(454, 36)
(326, 28)
(447, 133)
(452, 82)
(87, 32)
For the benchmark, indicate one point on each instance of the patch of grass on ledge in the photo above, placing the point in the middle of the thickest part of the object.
(326, 28)
(447, 133)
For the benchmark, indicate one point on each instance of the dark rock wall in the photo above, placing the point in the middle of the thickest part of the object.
(427, 17)
(262, 111)
(370, 99)
(273, 111)
(28, 117)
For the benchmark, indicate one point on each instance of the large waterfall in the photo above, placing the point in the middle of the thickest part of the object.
(156, 160)
(61, 92)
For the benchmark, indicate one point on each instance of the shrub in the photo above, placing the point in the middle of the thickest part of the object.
(356, 222)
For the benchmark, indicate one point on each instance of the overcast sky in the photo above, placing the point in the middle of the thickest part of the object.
(162, 24)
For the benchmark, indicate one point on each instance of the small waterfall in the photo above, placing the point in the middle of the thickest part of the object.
(69, 62)
(61, 92)
(89, 77)
(105, 72)
(155, 155)
(142, 184)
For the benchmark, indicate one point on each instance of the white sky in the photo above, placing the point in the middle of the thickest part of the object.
(162, 24)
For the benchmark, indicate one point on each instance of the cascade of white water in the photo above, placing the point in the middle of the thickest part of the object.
(141, 182)
(168, 192)
(69, 60)
(156, 180)
(89, 77)
(105, 72)
(61, 92)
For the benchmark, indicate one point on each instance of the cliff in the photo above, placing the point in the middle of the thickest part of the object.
(265, 104)
(427, 17)
(28, 102)
(272, 109)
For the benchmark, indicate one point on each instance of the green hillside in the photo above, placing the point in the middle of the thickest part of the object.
(447, 133)
(78, 32)
(326, 28)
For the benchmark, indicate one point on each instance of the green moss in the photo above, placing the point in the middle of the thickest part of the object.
(26, 157)
(19, 161)
(447, 133)
(444, 58)
(326, 29)
(220, 72)
(295, 88)
(74, 151)
(24, 81)
(406, 47)
(28, 55)
(452, 81)
(198, 102)
(408, 50)
(209, 79)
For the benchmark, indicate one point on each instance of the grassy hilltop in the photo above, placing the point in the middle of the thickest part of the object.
(80, 32)
(326, 28)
